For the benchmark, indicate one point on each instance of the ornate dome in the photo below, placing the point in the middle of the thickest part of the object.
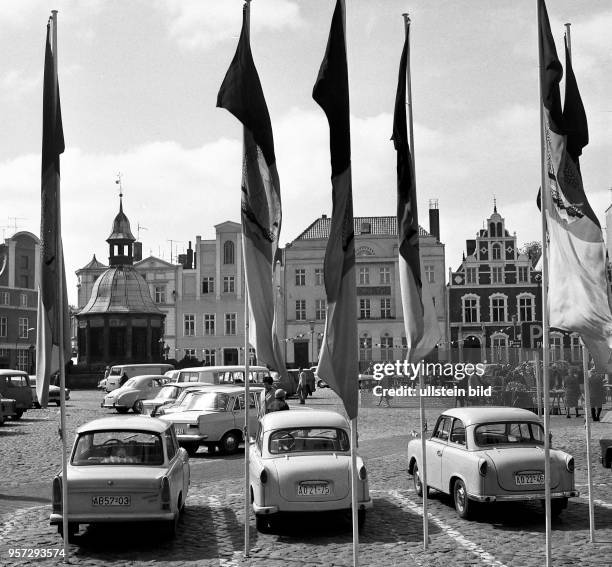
(120, 289)
(121, 226)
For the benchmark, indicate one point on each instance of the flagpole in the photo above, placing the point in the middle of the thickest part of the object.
(545, 318)
(354, 504)
(423, 472)
(60, 303)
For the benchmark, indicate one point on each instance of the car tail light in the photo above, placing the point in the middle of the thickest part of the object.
(165, 493)
(363, 473)
(57, 495)
(263, 476)
(569, 463)
(483, 467)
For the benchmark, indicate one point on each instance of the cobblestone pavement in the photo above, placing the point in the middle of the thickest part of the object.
(212, 530)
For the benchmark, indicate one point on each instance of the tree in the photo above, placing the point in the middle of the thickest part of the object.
(533, 250)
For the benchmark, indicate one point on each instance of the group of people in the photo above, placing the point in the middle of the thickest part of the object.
(275, 400)
(597, 393)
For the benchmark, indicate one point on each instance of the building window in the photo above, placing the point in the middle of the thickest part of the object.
(320, 307)
(366, 228)
(318, 276)
(229, 284)
(228, 252)
(471, 308)
(190, 353)
(160, 294)
(525, 307)
(499, 349)
(189, 325)
(496, 251)
(365, 310)
(25, 264)
(300, 276)
(23, 362)
(5, 298)
(471, 275)
(385, 275)
(386, 348)
(23, 300)
(429, 273)
(556, 346)
(365, 348)
(385, 308)
(300, 310)
(23, 327)
(24, 281)
(208, 285)
(523, 274)
(209, 357)
(497, 274)
(575, 354)
(364, 276)
(230, 323)
(3, 326)
(498, 308)
(209, 324)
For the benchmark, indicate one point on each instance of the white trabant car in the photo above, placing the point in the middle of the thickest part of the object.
(213, 416)
(123, 469)
(491, 454)
(300, 462)
(169, 395)
(128, 396)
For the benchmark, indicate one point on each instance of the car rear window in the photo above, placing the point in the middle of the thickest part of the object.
(118, 448)
(308, 440)
(508, 433)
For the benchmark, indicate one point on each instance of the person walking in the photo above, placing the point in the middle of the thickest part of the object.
(572, 392)
(302, 389)
(598, 395)
(267, 396)
(279, 403)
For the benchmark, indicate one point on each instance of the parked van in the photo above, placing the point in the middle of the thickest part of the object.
(223, 374)
(15, 385)
(120, 373)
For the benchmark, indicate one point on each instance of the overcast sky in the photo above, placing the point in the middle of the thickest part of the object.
(139, 80)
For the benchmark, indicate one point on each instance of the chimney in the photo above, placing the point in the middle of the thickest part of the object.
(434, 219)
(189, 257)
(137, 251)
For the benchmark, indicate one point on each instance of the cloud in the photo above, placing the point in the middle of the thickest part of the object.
(196, 24)
(15, 84)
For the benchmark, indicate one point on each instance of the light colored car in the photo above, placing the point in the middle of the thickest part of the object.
(300, 462)
(213, 417)
(222, 375)
(132, 392)
(123, 469)
(168, 395)
(54, 393)
(491, 454)
(119, 374)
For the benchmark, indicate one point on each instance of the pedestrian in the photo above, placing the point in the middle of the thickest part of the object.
(266, 396)
(279, 403)
(302, 389)
(572, 392)
(597, 393)
(386, 382)
(310, 381)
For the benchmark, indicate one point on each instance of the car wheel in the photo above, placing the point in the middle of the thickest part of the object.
(557, 505)
(122, 410)
(416, 481)
(191, 448)
(264, 524)
(229, 442)
(171, 527)
(138, 407)
(462, 502)
(18, 414)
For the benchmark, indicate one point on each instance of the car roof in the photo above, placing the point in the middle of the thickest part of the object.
(170, 367)
(476, 415)
(125, 422)
(237, 367)
(312, 418)
(225, 389)
(143, 377)
(7, 372)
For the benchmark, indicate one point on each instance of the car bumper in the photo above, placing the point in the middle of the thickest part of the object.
(191, 438)
(522, 497)
(113, 405)
(160, 516)
(310, 507)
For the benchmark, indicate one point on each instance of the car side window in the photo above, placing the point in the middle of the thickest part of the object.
(170, 443)
(458, 432)
(260, 437)
(443, 428)
(239, 403)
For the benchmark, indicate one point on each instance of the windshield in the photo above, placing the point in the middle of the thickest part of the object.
(204, 401)
(17, 381)
(130, 383)
(168, 393)
(308, 440)
(509, 433)
(118, 448)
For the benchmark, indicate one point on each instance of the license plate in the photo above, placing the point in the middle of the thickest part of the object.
(313, 489)
(179, 430)
(529, 479)
(110, 501)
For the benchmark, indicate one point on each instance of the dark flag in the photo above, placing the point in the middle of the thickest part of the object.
(338, 361)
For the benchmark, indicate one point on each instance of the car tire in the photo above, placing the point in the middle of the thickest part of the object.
(229, 442)
(461, 500)
(138, 407)
(191, 448)
(416, 481)
(171, 527)
(264, 524)
(122, 410)
(557, 505)
(18, 414)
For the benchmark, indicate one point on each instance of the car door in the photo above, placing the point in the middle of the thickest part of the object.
(435, 451)
(454, 455)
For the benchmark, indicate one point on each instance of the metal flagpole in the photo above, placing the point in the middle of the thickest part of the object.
(423, 473)
(538, 379)
(61, 307)
(247, 401)
(545, 339)
(354, 504)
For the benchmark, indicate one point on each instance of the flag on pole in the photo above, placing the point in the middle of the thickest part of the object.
(338, 361)
(242, 95)
(577, 288)
(52, 275)
(420, 320)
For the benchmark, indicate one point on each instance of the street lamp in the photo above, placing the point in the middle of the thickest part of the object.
(312, 328)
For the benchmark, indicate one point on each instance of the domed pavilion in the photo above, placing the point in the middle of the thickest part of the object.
(120, 323)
